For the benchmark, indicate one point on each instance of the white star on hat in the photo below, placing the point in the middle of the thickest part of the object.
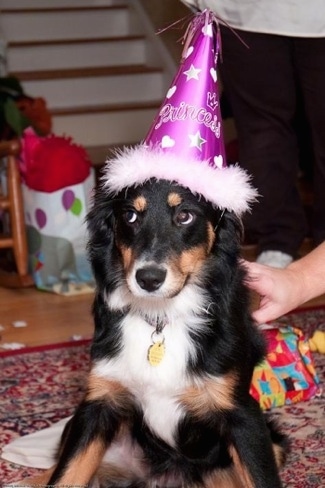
(192, 73)
(197, 140)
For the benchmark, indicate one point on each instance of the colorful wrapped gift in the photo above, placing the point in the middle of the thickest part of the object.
(287, 375)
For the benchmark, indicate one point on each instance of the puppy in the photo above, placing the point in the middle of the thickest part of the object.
(167, 401)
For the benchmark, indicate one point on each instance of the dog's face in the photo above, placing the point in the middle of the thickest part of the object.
(164, 235)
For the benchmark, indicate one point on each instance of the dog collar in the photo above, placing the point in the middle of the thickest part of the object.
(156, 350)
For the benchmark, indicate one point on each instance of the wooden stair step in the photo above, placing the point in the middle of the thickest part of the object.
(86, 72)
(66, 22)
(59, 42)
(98, 66)
(81, 52)
(97, 87)
(23, 4)
(114, 107)
(85, 8)
(94, 129)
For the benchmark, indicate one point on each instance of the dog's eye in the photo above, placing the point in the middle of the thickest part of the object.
(130, 216)
(184, 218)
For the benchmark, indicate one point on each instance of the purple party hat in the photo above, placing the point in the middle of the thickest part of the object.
(185, 142)
(189, 121)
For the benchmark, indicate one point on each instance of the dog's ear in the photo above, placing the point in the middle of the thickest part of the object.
(100, 225)
(229, 233)
(101, 221)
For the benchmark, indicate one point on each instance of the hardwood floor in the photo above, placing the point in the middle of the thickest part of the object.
(50, 318)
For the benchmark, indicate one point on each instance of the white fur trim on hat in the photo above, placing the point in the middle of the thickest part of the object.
(227, 188)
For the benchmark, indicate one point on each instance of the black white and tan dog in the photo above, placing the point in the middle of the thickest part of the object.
(167, 401)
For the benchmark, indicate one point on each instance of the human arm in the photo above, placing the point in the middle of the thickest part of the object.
(282, 290)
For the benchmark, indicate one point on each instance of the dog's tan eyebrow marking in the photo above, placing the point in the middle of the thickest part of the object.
(174, 199)
(140, 203)
(212, 394)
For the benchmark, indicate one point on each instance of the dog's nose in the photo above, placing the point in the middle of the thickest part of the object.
(150, 278)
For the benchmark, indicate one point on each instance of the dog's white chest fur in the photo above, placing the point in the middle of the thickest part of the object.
(155, 387)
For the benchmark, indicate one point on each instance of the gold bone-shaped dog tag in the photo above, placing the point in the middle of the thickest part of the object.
(156, 353)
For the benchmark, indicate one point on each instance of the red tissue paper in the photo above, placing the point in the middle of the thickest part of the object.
(53, 162)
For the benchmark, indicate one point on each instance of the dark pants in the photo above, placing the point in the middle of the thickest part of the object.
(262, 83)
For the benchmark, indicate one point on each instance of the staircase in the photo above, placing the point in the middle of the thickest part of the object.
(98, 63)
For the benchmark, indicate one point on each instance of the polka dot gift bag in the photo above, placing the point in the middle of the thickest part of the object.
(57, 186)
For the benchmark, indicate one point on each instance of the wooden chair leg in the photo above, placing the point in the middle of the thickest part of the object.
(17, 222)
(12, 203)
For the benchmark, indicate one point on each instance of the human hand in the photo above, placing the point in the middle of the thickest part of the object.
(279, 290)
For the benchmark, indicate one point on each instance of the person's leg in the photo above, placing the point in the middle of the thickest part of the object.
(260, 84)
(310, 63)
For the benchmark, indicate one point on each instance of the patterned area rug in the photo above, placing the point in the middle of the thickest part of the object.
(40, 386)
